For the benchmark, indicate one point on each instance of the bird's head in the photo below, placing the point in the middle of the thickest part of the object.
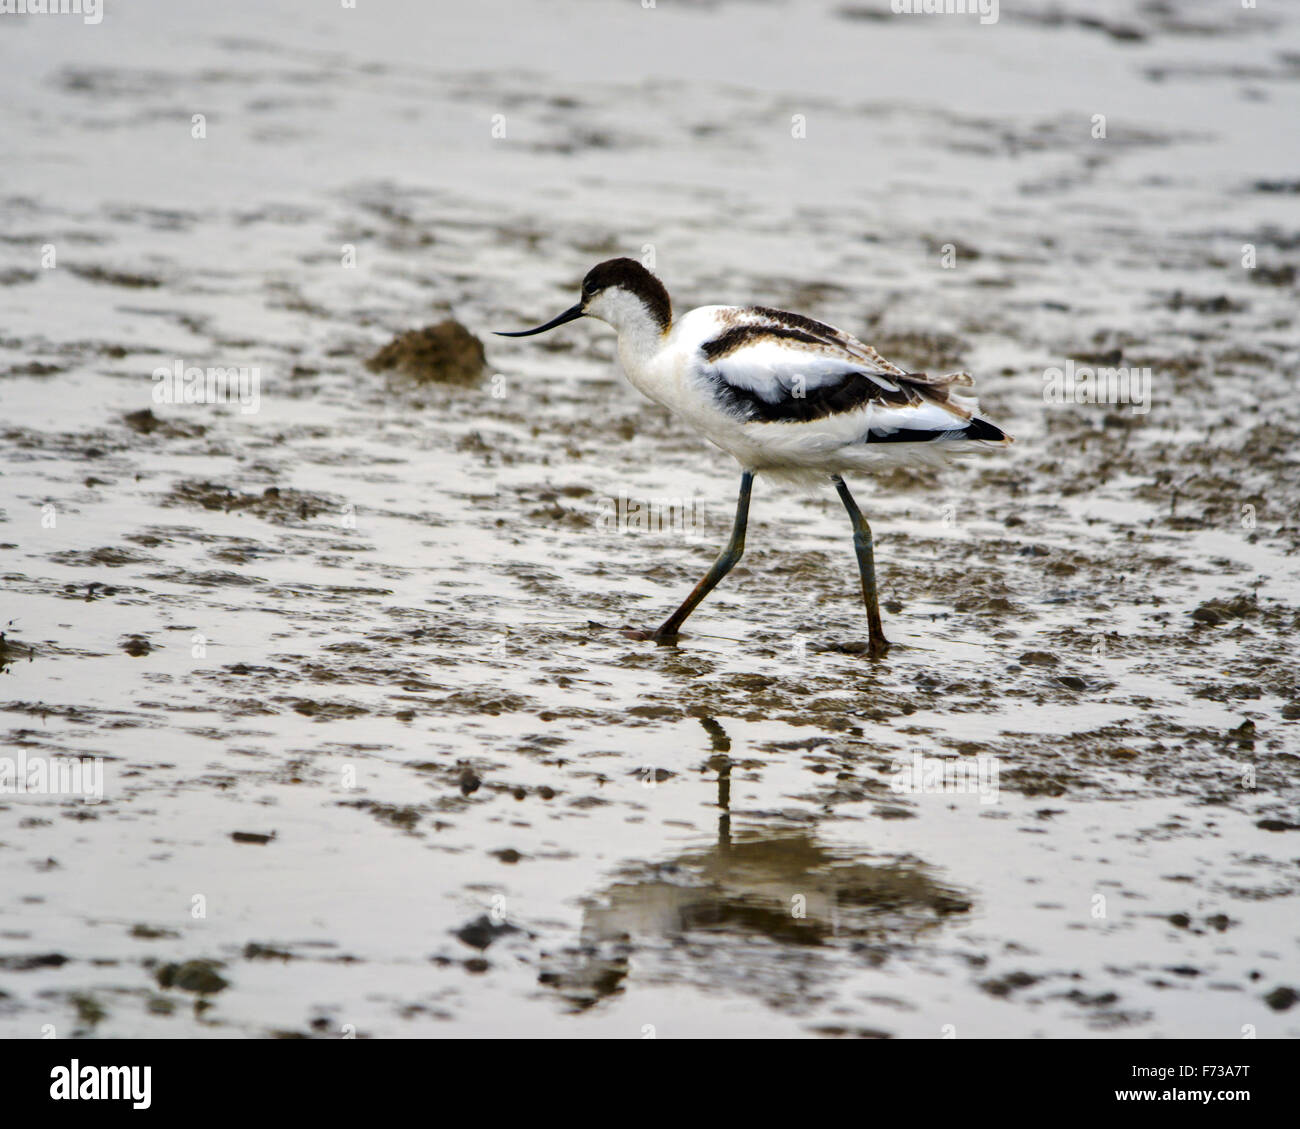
(621, 293)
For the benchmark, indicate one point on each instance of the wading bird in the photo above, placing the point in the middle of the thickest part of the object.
(789, 397)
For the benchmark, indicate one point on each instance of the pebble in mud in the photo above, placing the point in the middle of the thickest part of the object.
(137, 646)
(1003, 986)
(199, 976)
(1038, 658)
(1280, 999)
(145, 932)
(28, 963)
(146, 423)
(1220, 611)
(482, 931)
(469, 782)
(256, 951)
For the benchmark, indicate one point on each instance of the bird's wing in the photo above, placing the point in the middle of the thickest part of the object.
(771, 366)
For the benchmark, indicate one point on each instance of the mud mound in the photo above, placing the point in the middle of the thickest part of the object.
(446, 353)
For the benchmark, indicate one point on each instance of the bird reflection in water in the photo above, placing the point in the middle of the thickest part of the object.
(769, 913)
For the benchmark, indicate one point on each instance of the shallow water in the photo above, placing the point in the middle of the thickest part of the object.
(491, 811)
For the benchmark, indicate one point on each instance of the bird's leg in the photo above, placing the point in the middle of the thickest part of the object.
(877, 644)
(723, 565)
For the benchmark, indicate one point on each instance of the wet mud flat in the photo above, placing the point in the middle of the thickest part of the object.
(377, 759)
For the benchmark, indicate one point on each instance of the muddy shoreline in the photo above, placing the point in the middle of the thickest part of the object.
(376, 752)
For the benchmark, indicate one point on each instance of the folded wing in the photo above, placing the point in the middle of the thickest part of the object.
(769, 366)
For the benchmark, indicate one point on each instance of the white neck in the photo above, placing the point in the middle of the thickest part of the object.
(639, 334)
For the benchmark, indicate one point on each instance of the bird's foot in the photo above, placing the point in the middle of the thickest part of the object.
(643, 636)
(877, 647)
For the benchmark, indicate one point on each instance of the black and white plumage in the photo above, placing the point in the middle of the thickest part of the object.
(788, 396)
(766, 366)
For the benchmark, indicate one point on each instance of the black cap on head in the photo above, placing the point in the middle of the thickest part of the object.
(625, 274)
(630, 275)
